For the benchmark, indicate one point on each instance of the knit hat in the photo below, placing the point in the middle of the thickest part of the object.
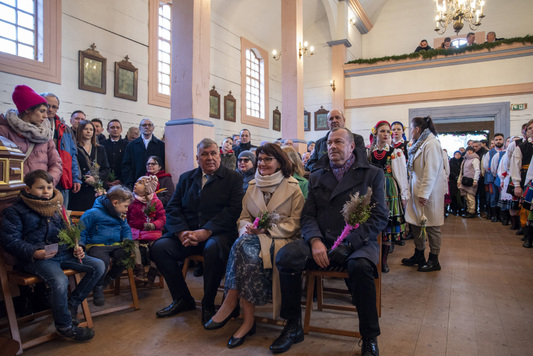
(248, 154)
(150, 183)
(25, 97)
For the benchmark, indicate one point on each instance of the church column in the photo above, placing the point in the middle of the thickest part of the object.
(189, 106)
(292, 125)
(338, 58)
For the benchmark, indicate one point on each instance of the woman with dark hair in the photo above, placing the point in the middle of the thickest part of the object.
(455, 169)
(392, 161)
(427, 182)
(251, 274)
(154, 167)
(398, 137)
(94, 168)
(28, 127)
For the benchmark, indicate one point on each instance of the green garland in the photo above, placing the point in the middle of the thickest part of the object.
(128, 259)
(445, 52)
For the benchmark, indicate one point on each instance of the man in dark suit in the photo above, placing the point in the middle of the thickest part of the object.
(337, 175)
(201, 219)
(335, 119)
(138, 151)
(115, 147)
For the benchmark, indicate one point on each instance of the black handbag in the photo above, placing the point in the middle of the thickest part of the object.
(467, 182)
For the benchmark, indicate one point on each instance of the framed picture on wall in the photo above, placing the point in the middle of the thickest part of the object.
(321, 119)
(214, 104)
(276, 120)
(92, 70)
(126, 79)
(229, 107)
(307, 120)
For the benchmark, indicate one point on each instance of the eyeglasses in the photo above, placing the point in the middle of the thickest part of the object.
(266, 160)
(151, 164)
(245, 160)
(53, 107)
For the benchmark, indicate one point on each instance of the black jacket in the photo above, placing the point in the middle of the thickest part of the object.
(321, 216)
(136, 156)
(216, 207)
(321, 149)
(115, 153)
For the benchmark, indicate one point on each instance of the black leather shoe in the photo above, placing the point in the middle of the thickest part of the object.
(292, 333)
(369, 347)
(213, 325)
(401, 242)
(207, 314)
(238, 341)
(176, 307)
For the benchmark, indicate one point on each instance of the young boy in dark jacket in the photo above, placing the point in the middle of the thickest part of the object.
(33, 223)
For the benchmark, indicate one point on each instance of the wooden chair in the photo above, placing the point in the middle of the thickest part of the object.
(316, 277)
(9, 276)
(185, 267)
(75, 216)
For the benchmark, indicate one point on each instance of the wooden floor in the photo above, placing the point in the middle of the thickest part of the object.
(481, 303)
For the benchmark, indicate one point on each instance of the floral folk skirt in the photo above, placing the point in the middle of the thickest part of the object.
(245, 272)
(396, 225)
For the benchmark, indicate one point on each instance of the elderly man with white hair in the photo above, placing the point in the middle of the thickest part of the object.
(138, 151)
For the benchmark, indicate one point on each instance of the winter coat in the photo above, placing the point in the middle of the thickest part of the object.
(287, 201)
(228, 160)
(321, 216)
(24, 231)
(164, 180)
(137, 218)
(136, 156)
(247, 176)
(66, 147)
(115, 153)
(427, 180)
(44, 155)
(101, 226)
(215, 207)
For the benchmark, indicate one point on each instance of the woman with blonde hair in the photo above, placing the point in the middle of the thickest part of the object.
(298, 170)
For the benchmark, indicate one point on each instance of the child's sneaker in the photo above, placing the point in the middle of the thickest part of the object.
(77, 334)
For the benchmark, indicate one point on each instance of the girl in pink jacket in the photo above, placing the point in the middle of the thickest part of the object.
(146, 217)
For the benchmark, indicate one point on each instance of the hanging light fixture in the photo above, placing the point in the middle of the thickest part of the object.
(457, 12)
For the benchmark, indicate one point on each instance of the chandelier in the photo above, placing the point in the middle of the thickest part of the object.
(457, 12)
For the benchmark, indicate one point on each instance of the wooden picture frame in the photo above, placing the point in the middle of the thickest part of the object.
(92, 70)
(307, 120)
(321, 119)
(230, 106)
(276, 120)
(214, 104)
(126, 80)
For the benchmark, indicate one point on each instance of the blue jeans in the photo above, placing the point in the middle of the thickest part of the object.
(51, 271)
(65, 193)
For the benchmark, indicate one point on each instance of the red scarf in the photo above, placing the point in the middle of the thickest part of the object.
(159, 175)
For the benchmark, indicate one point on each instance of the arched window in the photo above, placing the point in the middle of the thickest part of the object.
(160, 53)
(254, 84)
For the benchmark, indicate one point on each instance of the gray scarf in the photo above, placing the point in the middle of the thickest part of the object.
(416, 147)
(32, 133)
(268, 184)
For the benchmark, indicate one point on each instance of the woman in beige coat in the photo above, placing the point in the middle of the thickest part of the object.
(251, 274)
(427, 182)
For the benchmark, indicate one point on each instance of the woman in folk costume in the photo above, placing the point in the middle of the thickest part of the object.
(398, 137)
(425, 209)
(28, 127)
(251, 274)
(519, 166)
(392, 161)
(506, 200)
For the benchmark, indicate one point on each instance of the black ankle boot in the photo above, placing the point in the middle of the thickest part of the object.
(416, 259)
(292, 333)
(495, 215)
(527, 237)
(431, 265)
(505, 217)
(515, 223)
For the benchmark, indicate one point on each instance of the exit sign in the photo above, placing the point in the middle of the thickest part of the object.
(518, 106)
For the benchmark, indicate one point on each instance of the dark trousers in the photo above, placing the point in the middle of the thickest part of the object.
(296, 256)
(105, 253)
(166, 252)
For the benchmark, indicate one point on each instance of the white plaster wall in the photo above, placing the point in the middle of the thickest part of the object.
(401, 24)
(118, 28)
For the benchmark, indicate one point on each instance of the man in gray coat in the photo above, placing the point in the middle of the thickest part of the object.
(337, 175)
